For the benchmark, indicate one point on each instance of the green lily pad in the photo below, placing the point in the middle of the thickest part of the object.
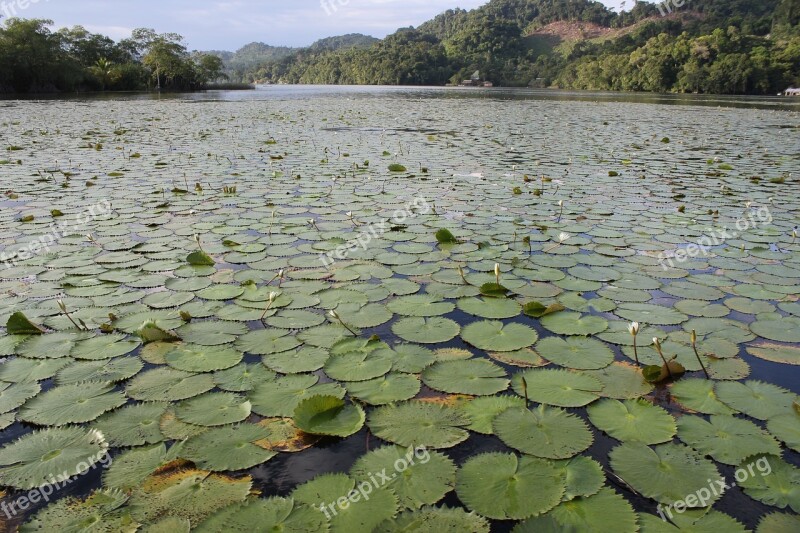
(426, 330)
(574, 324)
(756, 398)
(73, 403)
(228, 448)
(666, 473)
(558, 387)
(633, 420)
(774, 482)
(416, 423)
(478, 377)
(213, 409)
(576, 352)
(547, 432)
(50, 455)
(423, 477)
(328, 415)
(729, 440)
(503, 487)
(493, 335)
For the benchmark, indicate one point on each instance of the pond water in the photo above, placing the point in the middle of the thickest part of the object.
(597, 209)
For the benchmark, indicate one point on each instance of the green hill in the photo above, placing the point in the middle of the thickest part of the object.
(713, 46)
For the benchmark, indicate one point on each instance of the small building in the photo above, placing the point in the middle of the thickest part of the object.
(791, 92)
(475, 81)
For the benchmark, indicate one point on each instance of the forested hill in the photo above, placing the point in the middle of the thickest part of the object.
(708, 46)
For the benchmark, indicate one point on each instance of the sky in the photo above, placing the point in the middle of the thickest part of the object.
(230, 24)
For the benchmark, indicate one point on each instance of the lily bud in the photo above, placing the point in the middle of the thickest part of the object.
(561, 203)
(61, 305)
(280, 273)
(634, 328)
(272, 296)
(694, 337)
(333, 314)
(657, 343)
(497, 269)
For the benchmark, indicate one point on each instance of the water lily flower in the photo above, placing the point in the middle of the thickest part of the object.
(497, 272)
(634, 328)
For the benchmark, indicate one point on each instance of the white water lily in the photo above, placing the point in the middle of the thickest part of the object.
(272, 296)
(333, 314)
(633, 328)
(564, 237)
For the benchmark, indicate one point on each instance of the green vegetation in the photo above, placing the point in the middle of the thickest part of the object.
(707, 46)
(35, 59)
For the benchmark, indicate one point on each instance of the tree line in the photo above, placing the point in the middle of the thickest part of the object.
(710, 46)
(35, 59)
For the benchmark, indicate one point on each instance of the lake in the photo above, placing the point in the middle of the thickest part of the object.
(271, 297)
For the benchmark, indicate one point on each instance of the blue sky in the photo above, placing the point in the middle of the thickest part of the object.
(229, 24)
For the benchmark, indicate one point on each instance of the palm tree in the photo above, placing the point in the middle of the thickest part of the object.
(104, 70)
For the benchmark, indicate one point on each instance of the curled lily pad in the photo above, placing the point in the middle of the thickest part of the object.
(19, 324)
(503, 487)
(328, 415)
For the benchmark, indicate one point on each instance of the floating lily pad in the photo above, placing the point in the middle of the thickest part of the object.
(328, 415)
(49, 456)
(423, 477)
(729, 440)
(633, 420)
(228, 448)
(493, 335)
(604, 511)
(574, 324)
(547, 432)
(755, 398)
(133, 425)
(665, 473)
(576, 352)
(73, 403)
(393, 387)
(416, 423)
(774, 482)
(426, 330)
(213, 409)
(265, 514)
(197, 358)
(478, 377)
(558, 387)
(503, 487)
